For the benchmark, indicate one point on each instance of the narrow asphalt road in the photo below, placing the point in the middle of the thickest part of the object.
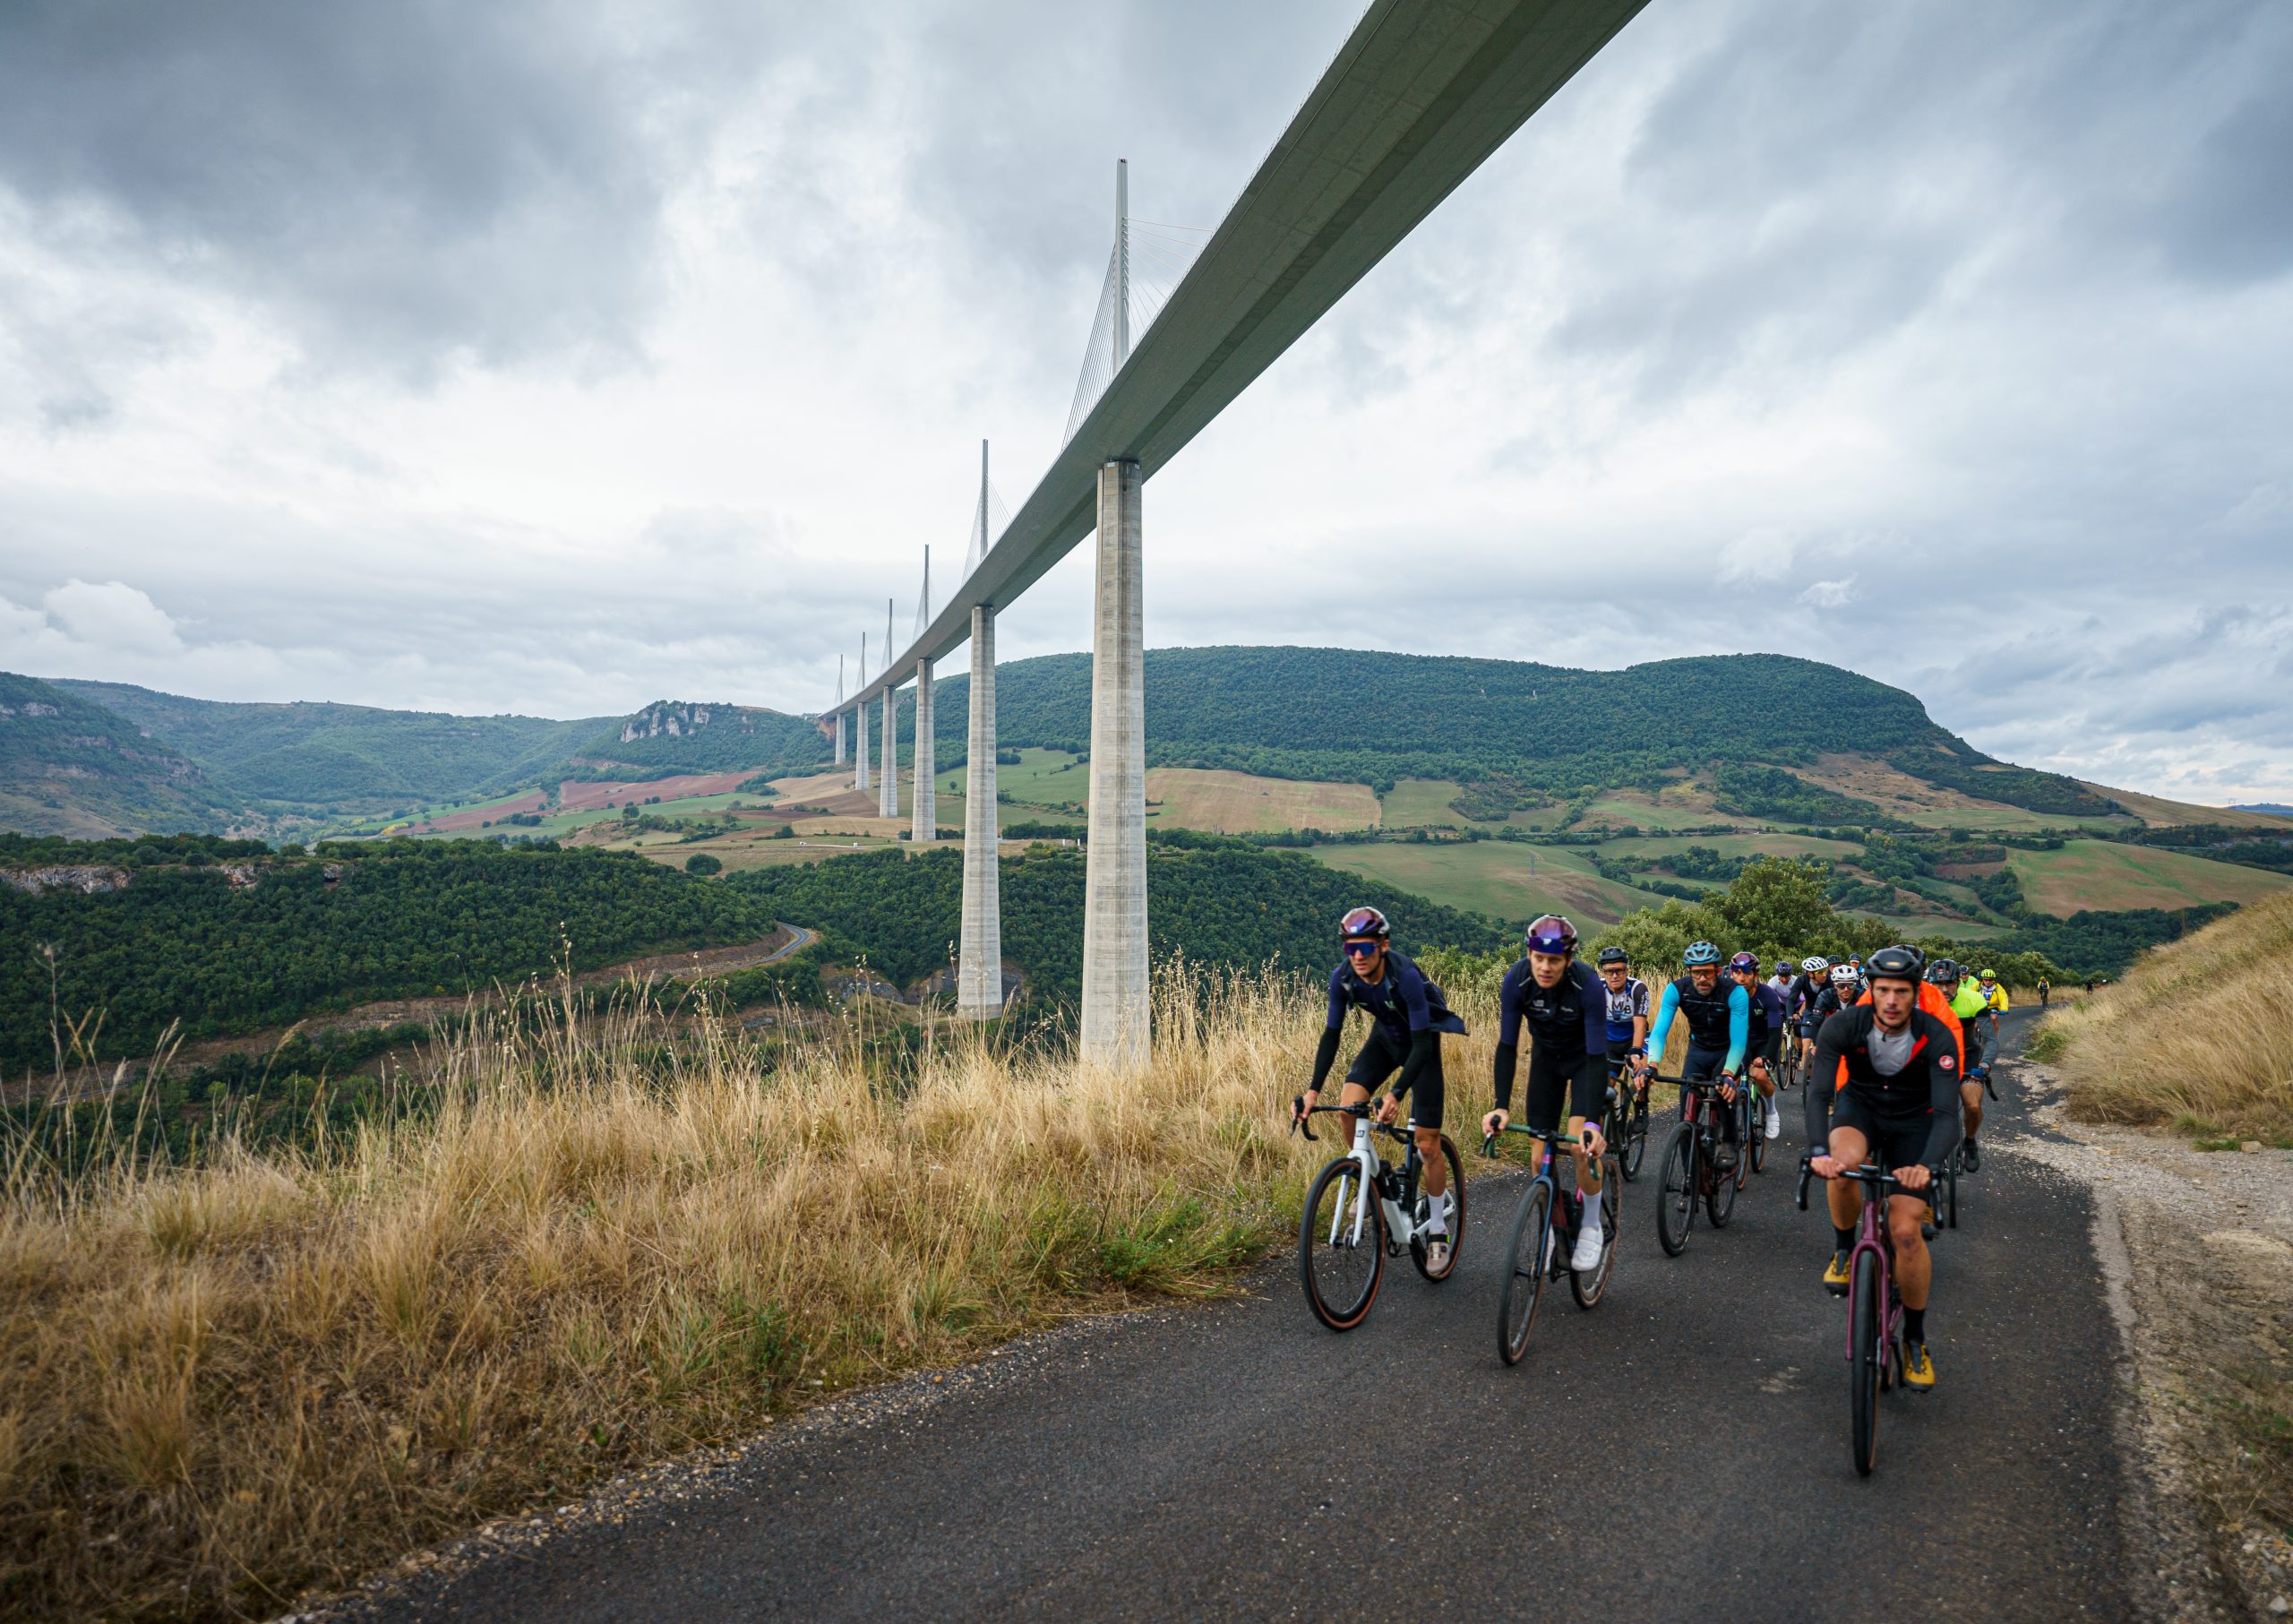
(1679, 1452)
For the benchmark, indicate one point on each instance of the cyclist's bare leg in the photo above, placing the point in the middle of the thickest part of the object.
(1762, 1080)
(1435, 1177)
(1844, 1195)
(1914, 1267)
(1588, 1170)
(1970, 1097)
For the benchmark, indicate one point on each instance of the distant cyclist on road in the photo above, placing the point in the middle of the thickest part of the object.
(1973, 1011)
(1763, 1034)
(1566, 1008)
(2046, 992)
(1719, 1020)
(1807, 993)
(1897, 1068)
(1407, 1016)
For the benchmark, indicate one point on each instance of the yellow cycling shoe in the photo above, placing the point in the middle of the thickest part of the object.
(1835, 1274)
(1917, 1368)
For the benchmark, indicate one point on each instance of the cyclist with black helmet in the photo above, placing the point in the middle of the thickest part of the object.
(1565, 1006)
(1972, 1009)
(1763, 1034)
(1718, 1014)
(1627, 998)
(1895, 1103)
(1407, 1015)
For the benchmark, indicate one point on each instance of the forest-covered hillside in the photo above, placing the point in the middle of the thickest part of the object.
(68, 766)
(1366, 716)
(675, 736)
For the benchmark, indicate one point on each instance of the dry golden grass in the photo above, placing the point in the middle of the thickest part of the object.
(228, 1385)
(2199, 1033)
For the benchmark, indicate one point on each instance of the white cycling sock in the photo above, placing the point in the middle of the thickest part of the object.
(1437, 1214)
(1590, 1223)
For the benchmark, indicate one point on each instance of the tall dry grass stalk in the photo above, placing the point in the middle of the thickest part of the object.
(225, 1386)
(2199, 1033)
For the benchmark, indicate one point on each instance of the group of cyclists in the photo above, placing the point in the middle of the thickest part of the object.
(1894, 1049)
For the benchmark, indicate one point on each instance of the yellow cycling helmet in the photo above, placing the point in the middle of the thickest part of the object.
(1988, 975)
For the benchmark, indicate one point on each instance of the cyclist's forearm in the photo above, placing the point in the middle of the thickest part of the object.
(1508, 1061)
(1325, 1056)
(1424, 1049)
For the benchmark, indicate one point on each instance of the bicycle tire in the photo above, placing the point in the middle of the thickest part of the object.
(1758, 1157)
(1588, 1289)
(1951, 1190)
(1633, 1143)
(1675, 1194)
(1524, 1271)
(1720, 1200)
(1330, 1202)
(1457, 1170)
(1863, 1366)
(1746, 1108)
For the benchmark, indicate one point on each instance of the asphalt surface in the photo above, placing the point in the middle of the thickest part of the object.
(1678, 1452)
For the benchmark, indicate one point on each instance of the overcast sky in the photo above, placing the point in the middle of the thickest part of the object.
(555, 357)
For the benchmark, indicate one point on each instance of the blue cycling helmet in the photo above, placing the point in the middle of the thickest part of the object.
(1700, 953)
(1550, 933)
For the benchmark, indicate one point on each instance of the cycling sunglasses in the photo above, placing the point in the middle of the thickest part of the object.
(1361, 950)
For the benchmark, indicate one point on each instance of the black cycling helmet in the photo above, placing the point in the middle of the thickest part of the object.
(1701, 953)
(1614, 955)
(1943, 972)
(1549, 933)
(1365, 921)
(1897, 963)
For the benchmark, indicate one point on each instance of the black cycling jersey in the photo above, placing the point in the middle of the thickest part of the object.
(1568, 1023)
(1924, 1090)
(1799, 1000)
(1706, 1013)
(1763, 1019)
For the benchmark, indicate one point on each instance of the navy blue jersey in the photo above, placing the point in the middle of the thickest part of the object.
(1763, 1014)
(1570, 1017)
(1401, 1002)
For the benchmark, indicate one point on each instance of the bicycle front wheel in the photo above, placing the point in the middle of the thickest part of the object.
(1676, 1190)
(1721, 1188)
(1632, 1140)
(1342, 1246)
(1951, 1190)
(1456, 1172)
(1524, 1271)
(1747, 1151)
(1863, 1366)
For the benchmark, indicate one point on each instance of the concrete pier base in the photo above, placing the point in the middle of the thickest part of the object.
(859, 746)
(979, 957)
(888, 777)
(924, 789)
(839, 741)
(1115, 1013)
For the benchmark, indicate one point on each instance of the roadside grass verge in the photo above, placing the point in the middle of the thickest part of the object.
(225, 1387)
(2197, 1036)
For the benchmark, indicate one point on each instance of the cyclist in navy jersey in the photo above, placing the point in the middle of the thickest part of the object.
(1719, 1016)
(1799, 1005)
(1763, 1033)
(1407, 1016)
(1566, 1008)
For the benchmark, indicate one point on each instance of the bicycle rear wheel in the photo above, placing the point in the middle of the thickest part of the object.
(1951, 1190)
(1720, 1198)
(1863, 1366)
(1524, 1271)
(1342, 1246)
(1588, 1288)
(1456, 1172)
(1759, 1131)
(1676, 1193)
(1746, 1108)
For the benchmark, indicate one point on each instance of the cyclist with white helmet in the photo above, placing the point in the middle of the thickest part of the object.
(1566, 1009)
(1718, 1013)
(1815, 975)
(1407, 1016)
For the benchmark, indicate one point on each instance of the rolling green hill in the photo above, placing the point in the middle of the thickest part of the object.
(1521, 731)
(673, 737)
(69, 767)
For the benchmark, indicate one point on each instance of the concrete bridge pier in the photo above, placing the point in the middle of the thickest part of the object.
(925, 791)
(888, 776)
(1115, 1013)
(979, 958)
(860, 724)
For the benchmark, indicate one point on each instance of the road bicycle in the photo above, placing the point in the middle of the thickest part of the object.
(1945, 1201)
(1786, 1068)
(1628, 1110)
(1545, 1241)
(1690, 1174)
(1875, 1312)
(1361, 1208)
(1751, 1130)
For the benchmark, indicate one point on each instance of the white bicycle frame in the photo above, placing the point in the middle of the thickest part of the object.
(1401, 1228)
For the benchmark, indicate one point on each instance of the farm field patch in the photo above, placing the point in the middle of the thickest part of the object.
(1239, 802)
(1647, 848)
(1418, 803)
(2104, 875)
(1502, 878)
(1675, 806)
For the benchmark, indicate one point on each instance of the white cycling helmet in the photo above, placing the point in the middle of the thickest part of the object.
(1815, 964)
(1844, 976)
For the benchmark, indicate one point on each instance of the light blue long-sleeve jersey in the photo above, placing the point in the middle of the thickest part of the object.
(1740, 1014)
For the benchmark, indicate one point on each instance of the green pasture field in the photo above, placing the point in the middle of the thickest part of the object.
(1647, 848)
(2105, 875)
(1420, 803)
(1500, 877)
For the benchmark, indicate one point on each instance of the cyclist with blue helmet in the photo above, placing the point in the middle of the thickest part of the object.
(1565, 1005)
(1718, 1013)
(1407, 1015)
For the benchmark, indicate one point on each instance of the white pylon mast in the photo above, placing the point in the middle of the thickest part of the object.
(1121, 262)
